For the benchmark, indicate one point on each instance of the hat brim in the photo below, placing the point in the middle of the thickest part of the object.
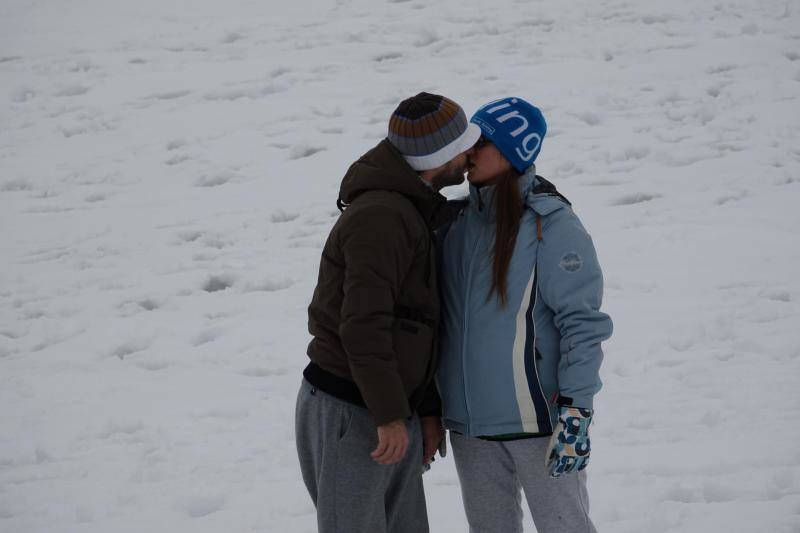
(470, 137)
(461, 144)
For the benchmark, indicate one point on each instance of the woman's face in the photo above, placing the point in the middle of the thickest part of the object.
(486, 163)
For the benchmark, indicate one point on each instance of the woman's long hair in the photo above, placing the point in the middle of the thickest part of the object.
(508, 212)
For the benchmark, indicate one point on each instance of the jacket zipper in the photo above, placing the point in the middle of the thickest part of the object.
(535, 351)
(466, 331)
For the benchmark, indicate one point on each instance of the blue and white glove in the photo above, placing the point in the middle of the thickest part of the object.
(569, 446)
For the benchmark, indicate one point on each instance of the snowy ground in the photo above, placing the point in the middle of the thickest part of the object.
(168, 173)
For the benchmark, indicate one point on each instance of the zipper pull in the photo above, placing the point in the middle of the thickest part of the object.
(480, 201)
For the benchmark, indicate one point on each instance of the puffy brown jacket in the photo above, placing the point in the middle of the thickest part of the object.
(375, 310)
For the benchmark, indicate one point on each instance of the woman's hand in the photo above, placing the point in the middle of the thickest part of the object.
(432, 435)
(569, 446)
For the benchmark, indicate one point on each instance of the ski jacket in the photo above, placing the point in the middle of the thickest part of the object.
(375, 310)
(505, 370)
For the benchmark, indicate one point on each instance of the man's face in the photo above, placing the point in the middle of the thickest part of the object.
(452, 172)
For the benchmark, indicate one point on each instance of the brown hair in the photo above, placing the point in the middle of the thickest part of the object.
(508, 212)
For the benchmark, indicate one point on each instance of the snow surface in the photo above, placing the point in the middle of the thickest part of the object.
(168, 173)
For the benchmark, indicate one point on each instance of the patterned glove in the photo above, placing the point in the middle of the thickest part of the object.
(569, 446)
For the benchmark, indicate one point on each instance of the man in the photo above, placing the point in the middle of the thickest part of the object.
(368, 412)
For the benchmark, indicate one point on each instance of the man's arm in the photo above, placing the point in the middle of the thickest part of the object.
(377, 255)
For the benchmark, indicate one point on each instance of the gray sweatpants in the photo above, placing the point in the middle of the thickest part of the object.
(491, 475)
(353, 493)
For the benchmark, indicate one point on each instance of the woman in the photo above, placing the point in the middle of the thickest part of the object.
(521, 334)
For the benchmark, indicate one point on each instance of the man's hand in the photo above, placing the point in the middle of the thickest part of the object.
(432, 435)
(392, 443)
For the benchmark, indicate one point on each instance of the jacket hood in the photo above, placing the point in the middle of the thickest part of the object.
(383, 168)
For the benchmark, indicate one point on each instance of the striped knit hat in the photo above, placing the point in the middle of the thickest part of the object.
(430, 130)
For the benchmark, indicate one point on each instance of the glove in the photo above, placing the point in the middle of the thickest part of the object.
(569, 446)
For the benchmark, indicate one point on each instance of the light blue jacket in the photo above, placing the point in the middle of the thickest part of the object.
(505, 370)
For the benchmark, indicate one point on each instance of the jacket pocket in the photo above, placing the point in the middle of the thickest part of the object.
(413, 346)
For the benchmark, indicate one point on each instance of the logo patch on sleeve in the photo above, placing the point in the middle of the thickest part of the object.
(571, 262)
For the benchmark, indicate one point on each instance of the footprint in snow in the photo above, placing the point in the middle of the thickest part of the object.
(22, 94)
(262, 372)
(200, 506)
(33, 314)
(177, 159)
(236, 94)
(269, 285)
(11, 334)
(94, 198)
(779, 296)
(426, 38)
(717, 493)
(540, 24)
(72, 90)
(117, 427)
(6, 352)
(129, 348)
(301, 152)
(636, 198)
(683, 494)
(16, 185)
(657, 19)
(231, 37)
(389, 56)
(218, 283)
(281, 216)
(169, 95)
(217, 241)
(591, 119)
(604, 183)
(715, 90)
(152, 365)
(83, 66)
(175, 144)
(205, 337)
(336, 112)
(750, 29)
(215, 180)
(733, 197)
(189, 235)
(722, 68)
(280, 71)
(148, 304)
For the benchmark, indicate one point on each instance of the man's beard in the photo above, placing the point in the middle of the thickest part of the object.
(448, 177)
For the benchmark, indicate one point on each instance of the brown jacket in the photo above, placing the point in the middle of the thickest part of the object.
(375, 310)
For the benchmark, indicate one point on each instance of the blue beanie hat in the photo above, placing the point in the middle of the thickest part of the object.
(515, 127)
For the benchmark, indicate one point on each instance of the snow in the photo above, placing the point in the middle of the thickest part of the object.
(168, 175)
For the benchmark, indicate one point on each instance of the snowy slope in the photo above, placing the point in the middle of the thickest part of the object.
(168, 173)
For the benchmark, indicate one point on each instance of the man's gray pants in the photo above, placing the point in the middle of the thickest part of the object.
(491, 475)
(353, 493)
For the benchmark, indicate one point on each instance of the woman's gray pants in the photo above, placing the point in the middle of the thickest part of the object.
(491, 475)
(353, 493)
